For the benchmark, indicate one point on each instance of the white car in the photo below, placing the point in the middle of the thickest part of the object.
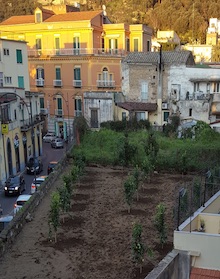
(21, 200)
(49, 137)
(37, 182)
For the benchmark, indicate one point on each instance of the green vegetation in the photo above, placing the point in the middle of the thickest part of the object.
(159, 222)
(152, 150)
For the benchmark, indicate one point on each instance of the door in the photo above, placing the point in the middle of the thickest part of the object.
(94, 118)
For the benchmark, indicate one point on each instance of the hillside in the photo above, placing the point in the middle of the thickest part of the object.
(189, 18)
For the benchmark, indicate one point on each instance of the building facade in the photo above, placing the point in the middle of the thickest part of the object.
(20, 136)
(161, 84)
(73, 55)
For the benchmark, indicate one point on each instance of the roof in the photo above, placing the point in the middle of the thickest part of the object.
(136, 106)
(168, 57)
(201, 273)
(72, 16)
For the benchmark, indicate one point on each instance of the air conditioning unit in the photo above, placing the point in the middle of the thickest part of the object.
(164, 106)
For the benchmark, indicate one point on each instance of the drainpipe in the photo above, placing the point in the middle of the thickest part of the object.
(160, 86)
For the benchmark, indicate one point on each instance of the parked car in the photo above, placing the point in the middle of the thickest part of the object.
(57, 143)
(21, 200)
(37, 182)
(34, 165)
(49, 137)
(15, 185)
(51, 166)
(4, 221)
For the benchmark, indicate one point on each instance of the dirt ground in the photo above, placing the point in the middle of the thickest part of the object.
(94, 242)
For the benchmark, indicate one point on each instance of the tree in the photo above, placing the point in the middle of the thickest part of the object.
(159, 222)
(54, 214)
(64, 199)
(137, 177)
(129, 189)
(138, 249)
(126, 151)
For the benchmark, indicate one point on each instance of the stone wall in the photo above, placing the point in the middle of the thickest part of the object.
(9, 234)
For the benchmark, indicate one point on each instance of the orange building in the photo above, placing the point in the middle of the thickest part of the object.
(75, 61)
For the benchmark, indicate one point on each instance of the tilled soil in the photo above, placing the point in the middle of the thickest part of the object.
(94, 238)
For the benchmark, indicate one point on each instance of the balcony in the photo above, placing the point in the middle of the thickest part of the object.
(57, 83)
(59, 113)
(105, 84)
(216, 98)
(77, 83)
(77, 52)
(28, 124)
(44, 111)
(39, 82)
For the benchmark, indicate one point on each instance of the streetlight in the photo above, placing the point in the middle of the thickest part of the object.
(182, 193)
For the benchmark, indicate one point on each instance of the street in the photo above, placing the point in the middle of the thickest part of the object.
(49, 154)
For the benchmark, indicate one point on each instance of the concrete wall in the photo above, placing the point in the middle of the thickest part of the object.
(174, 265)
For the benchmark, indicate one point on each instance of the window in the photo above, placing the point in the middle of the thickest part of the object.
(6, 51)
(15, 114)
(41, 103)
(77, 77)
(196, 86)
(208, 87)
(8, 80)
(19, 56)
(78, 107)
(59, 106)
(1, 79)
(148, 46)
(140, 116)
(113, 46)
(166, 115)
(57, 45)
(123, 116)
(58, 73)
(40, 73)
(20, 82)
(76, 46)
(135, 44)
(38, 17)
(190, 112)
(128, 44)
(144, 91)
(38, 45)
(103, 44)
(216, 87)
(105, 79)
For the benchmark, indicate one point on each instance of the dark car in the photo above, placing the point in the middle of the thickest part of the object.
(34, 166)
(15, 185)
(51, 166)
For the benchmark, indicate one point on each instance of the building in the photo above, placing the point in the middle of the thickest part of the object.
(20, 135)
(157, 85)
(75, 60)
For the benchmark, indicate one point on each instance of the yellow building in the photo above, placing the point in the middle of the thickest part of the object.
(74, 61)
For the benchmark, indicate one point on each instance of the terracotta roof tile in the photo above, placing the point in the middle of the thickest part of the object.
(136, 106)
(73, 16)
(18, 20)
(202, 273)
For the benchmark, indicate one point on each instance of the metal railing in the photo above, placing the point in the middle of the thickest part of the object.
(80, 51)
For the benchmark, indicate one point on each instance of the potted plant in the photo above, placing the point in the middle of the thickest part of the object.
(202, 225)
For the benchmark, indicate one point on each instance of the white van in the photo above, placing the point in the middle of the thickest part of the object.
(21, 200)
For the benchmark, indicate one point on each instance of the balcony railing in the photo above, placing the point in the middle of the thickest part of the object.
(27, 124)
(77, 83)
(59, 112)
(44, 111)
(105, 83)
(80, 51)
(39, 82)
(57, 83)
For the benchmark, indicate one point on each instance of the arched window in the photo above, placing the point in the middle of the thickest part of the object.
(105, 79)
